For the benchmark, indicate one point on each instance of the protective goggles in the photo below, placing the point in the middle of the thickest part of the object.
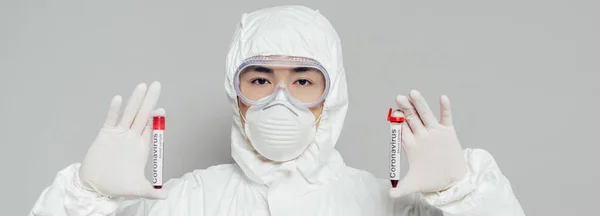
(259, 80)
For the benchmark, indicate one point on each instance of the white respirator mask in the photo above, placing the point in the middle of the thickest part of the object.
(280, 131)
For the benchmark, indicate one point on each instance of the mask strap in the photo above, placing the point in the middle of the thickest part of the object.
(241, 115)
(319, 119)
(242, 123)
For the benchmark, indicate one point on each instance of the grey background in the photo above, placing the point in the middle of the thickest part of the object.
(522, 77)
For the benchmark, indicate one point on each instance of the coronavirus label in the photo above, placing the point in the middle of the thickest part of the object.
(395, 149)
(157, 157)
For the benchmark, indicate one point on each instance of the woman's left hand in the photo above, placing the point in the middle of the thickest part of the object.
(435, 157)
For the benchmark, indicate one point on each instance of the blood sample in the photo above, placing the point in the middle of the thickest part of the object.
(396, 119)
(158, 133)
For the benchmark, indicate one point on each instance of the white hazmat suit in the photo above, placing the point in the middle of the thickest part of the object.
(318, 182)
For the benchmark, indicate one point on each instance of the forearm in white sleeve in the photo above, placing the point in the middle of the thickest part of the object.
(66, 197)
(485, 191)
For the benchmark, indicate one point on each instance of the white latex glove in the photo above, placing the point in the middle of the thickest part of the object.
(114, 164)
(435, 157)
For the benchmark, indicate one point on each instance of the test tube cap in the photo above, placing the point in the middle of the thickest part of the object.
(396, 116)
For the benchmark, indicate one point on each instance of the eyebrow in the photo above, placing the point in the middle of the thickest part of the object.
(262, 69)
(302, 69)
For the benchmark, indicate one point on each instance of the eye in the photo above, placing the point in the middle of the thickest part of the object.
(260, 81)
(303, 82)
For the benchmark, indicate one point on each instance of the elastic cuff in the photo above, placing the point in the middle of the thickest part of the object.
(458, 190)
(79, 199)
(80, 188)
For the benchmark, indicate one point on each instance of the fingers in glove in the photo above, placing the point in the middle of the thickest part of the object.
(113, 112)
(422, 108)
(147, 134)
(445, 111)
(133, 105)
(405, 186)
(408, 138)
(150, 100)
(411, 115)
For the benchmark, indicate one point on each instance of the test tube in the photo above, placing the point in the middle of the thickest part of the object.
(158, 133)
(396, 120)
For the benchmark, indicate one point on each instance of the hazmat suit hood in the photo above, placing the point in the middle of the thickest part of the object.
(290, 31)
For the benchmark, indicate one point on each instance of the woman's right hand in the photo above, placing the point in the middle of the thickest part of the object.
(114, 164)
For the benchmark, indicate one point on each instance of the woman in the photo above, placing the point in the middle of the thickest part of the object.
(286, 83)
